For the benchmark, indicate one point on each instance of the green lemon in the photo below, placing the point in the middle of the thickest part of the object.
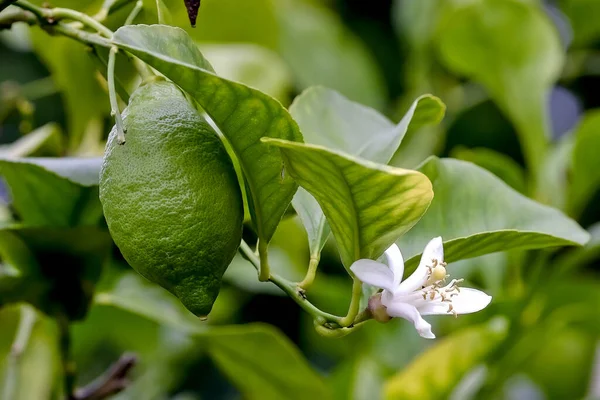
(171, 197)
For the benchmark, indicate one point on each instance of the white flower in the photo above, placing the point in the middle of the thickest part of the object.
(425, 292)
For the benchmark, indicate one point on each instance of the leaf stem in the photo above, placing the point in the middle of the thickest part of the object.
(311, 273)
(290, 289)
(159, 13)
(26, 323)
(348, 320)
(134, 13)
(264, 273)
(112, 95)
(109, 7)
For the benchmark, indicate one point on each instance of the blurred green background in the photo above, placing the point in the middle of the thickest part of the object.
(509, 72)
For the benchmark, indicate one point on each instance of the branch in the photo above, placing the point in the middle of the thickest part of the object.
(13, 15)
(297, 294)
(112, 382)
(53, 15)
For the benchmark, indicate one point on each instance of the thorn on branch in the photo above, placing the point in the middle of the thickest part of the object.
(302, 293)
(113, 381)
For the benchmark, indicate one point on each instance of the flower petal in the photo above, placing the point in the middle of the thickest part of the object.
(434, 250)
(470, 301)
(387, 297)
(373, 273)
(418, 279)
(395, 262)
(410, 313)
(466, 302)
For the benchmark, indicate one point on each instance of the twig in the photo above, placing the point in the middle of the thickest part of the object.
(52, 15)
(113, 381)
(13, 15)
(81, 36)
(291, 289)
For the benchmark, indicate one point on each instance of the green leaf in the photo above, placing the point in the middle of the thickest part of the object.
(512, 48)
(53, 269)
(358, 379)
(163, 15)
(415, 21)
(579, 257)
(585, 165)
(476, 214)
(81, 171)
(329, 119)
(553, 185)
(243, 115)
(313, 219)
(263, 364)
(321, 50)
(497, 163)
(46, 140)
(74, 73)
(368, 205)
(129, 291)
(252, 65)
(243, 275)
(34, 372)
(258, 359)
(583, 15)
(54, 191)
(18, 265)
(558, 362)
(435, 372)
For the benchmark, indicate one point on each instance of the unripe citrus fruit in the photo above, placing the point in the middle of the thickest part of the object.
(171, 197)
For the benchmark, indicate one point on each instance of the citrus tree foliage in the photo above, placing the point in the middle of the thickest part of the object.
(277, 165)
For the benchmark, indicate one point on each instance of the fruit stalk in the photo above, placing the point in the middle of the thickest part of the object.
(112, 95)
